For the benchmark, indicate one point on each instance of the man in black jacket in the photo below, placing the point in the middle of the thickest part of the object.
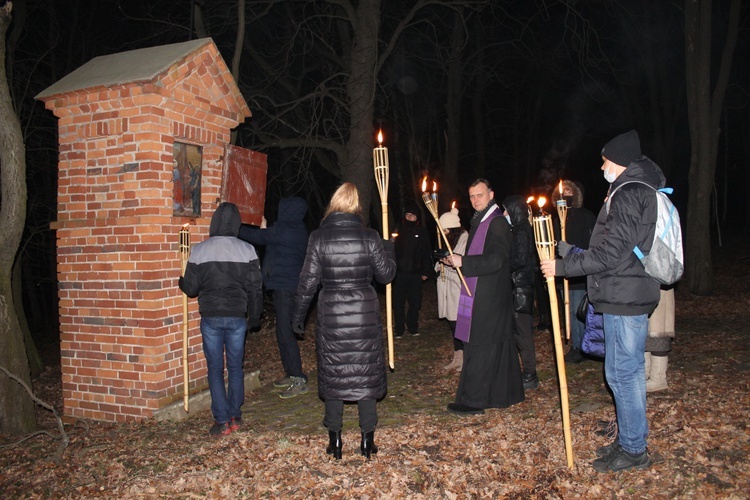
(224, 273)
(414, 265)
(286, 244)
(619, 288)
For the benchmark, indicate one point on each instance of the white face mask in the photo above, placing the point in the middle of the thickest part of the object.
(609, 176)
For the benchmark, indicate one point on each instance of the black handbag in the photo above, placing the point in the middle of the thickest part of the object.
(523, 300)
(583, 308)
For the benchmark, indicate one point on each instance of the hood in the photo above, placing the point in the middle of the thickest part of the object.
(645, 170)
(575, 189)
(292, 209)
(411, 207)
(517, 208)
(226, 221)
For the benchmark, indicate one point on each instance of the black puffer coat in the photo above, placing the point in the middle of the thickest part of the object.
(343, 256)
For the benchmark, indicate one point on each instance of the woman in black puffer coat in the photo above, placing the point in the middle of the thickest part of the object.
(342, 258)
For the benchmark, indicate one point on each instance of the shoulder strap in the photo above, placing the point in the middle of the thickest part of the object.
(663, 190)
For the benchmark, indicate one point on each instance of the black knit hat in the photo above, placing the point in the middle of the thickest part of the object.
(623, 149)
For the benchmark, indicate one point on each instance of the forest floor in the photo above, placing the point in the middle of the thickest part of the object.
(699, 437)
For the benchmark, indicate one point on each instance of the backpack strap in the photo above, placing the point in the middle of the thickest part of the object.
(666, 190)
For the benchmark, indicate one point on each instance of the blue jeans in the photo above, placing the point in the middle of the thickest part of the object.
(576, 327)
(220, 334)
(283, 304)
(624, 344)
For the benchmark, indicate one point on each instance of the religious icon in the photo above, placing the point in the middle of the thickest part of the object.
(186, 176)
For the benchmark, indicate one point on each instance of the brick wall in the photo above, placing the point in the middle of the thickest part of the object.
(117, 242)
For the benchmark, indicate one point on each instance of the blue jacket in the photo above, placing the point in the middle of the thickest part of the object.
(286, 244)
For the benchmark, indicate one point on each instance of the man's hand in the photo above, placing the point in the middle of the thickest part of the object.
(298, 328)
(548, 268)
(454, 260)
(263, 222)
(254, 324)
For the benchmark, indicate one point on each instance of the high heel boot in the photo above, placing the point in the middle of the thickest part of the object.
(368, 444)
(334, 444)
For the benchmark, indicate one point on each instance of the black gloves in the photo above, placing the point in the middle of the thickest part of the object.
(563, 248)
(389, 246)
(254, 324)
(299, 329)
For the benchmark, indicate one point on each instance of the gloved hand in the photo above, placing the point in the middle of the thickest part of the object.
(299, 329)
(563, 248)
(254, 324)
(389, 246)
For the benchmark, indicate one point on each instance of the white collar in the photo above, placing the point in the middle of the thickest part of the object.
(492, 209)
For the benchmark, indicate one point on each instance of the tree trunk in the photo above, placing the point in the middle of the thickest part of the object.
(16, 407)
(32, 354)
(453, 105)
(356, 164)
(704, 113)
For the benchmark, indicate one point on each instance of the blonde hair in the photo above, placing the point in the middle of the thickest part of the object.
(345, 199)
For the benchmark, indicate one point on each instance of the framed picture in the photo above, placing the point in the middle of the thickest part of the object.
(186, 177)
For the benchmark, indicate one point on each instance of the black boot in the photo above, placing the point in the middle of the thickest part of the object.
(334, 444)
(368, 444)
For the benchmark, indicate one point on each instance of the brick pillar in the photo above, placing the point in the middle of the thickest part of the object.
(117, 240)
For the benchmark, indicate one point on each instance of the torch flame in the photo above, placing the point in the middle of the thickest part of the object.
(453, 205)
(529, 199)
(424, 184)
(380, 137)
(560, 187)
(434, 187)
(541, 201)
(185, 226)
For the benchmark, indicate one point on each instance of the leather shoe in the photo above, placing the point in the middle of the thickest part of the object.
(574, 356)
(368, 446)
(460, 409)
(530, 381)
(334, 444)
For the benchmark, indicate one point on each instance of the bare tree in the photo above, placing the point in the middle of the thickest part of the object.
(704, 112)
(317, 89)
(16, 407)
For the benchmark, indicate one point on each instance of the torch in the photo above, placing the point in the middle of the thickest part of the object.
(432, 208)
(381, 167)
(434, 198)
(184, 256)
(562, 213)
(545, 246)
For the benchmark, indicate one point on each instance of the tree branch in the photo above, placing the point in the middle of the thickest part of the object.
(62, 437)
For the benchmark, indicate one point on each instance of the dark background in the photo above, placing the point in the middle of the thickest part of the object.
(550, 82)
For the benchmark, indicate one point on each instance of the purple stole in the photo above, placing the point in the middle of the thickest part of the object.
(466, 302)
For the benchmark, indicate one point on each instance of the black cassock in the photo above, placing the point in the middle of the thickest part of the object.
(491, 374)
